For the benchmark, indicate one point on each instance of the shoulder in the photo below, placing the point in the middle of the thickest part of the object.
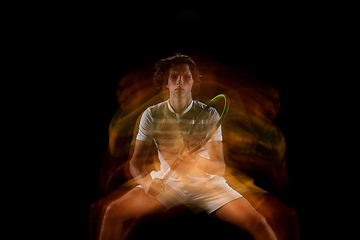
(156, 109)
(199, 105)
(151, 114)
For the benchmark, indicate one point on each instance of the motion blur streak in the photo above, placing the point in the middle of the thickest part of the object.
(254, 147)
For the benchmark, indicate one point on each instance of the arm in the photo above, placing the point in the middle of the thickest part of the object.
(216, 164)
(137, 162)
(138, 169)
(141, 149)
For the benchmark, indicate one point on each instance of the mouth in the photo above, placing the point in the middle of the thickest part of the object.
(179, 89)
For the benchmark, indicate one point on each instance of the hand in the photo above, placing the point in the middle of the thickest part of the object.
(157, 185)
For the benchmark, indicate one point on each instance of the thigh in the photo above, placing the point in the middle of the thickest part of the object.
(133, 204)
(213, 196)
(238, 212)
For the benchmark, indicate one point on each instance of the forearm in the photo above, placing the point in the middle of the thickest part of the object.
(152, 187)
(137, 162)
(139, 173)
(211, 167)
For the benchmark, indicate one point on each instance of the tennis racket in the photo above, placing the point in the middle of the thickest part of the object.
(206, 124)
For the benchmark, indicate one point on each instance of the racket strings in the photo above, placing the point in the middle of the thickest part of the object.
(204, 127)
(206, 124)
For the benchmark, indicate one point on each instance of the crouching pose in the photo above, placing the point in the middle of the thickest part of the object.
(198, 179)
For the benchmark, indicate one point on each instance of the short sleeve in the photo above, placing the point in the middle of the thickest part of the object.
(146, 127)
(217, 136)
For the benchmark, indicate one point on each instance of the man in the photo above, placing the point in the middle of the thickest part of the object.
(198, 179)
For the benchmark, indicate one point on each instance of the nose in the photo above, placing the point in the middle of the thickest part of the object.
(180, 81)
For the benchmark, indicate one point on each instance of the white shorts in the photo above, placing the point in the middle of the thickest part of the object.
(209, 197)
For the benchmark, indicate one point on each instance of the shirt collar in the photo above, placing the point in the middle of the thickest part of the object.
(186, 110)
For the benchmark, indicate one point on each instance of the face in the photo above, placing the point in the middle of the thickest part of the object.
(180, 81)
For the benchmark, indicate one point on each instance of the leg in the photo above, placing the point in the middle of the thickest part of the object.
(243, 215)
(133, 204)
(282, 218)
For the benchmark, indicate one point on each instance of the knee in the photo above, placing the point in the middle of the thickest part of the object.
(282, 214)
(257, 222)
(289, 216)
(95, 208)
(112, 212)
(292, 214)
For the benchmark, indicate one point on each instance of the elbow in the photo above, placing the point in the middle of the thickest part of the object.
(219, 170)
(213, 168)
(135, 163)
(134, 167)
(131, 162)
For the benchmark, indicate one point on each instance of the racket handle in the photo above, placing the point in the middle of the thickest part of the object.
(176, 164)
(171, 169)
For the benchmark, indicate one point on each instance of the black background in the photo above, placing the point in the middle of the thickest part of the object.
(93, 46)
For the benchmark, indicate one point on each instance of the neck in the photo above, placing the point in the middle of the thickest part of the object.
(180, 104)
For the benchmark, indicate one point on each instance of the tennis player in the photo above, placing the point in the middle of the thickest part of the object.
(198, 179)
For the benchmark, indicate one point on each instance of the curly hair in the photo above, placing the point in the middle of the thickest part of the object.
(162, 73)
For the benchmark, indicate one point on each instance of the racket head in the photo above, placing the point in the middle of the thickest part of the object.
(207, 122)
